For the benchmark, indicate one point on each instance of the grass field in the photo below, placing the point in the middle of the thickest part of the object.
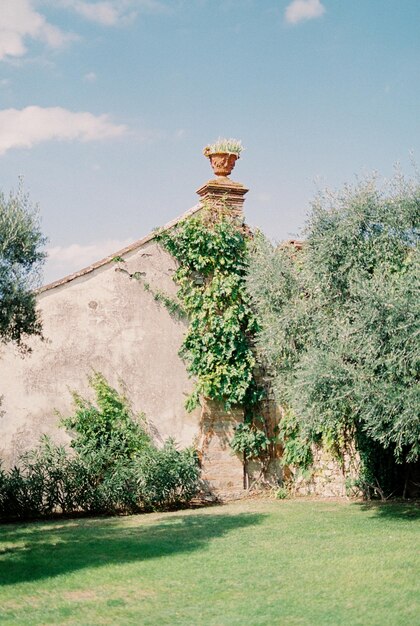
(247, 563)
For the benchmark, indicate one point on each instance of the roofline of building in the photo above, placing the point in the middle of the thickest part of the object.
(119, 253)
(134, 246)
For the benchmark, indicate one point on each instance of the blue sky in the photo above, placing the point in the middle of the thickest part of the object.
(105, 107)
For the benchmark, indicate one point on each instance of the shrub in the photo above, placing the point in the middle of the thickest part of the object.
(114, 467)
(116, 491)
(167, 477)
(108, 426)
(20, 496)
(47, 480)
(282, 493)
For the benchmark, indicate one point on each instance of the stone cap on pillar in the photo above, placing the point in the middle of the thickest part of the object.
(224, 190)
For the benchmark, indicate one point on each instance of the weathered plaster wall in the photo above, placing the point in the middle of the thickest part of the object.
(103, 321)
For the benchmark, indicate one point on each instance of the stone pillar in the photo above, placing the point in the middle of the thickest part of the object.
(222, 469)
(223, 189)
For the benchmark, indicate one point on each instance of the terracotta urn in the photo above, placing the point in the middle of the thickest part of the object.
(223, 162)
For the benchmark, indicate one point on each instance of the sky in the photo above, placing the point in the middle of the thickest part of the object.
(105, 107)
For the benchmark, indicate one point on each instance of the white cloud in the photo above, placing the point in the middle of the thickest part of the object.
(64, 260)
(300, 10)
(32, 125)
(19, 21)
(112, 12)
(105, 13)
(90, 77)
(84, 255)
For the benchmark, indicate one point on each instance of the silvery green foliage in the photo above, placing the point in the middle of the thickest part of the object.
(340, 318)
(20, 261)
(232, 146)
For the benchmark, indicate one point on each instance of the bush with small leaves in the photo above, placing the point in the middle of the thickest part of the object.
(114, 467)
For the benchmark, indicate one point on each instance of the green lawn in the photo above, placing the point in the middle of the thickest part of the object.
(246, 563)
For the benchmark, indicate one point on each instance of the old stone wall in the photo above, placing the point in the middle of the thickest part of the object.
(328, 477)
(222, 469)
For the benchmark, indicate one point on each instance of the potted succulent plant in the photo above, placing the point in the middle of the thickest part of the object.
(223, 155)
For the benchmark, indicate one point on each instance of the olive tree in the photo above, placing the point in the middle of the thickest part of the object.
(340, 320)
(21, 258)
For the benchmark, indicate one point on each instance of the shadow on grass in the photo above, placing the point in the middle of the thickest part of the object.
(409, 511)
(46, 550)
